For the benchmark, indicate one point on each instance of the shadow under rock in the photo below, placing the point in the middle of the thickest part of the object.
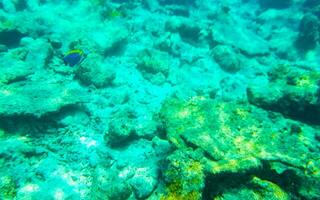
(34, 126)
(216, 185)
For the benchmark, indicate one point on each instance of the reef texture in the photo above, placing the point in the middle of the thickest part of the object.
(169, 99)
(292, 92)
(235, 145)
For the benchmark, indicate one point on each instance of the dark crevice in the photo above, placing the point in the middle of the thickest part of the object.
(11, 38)
(21, 5)
(309, 114)
(35, 126)
(26, 124)
(121, 144)
(216, 185)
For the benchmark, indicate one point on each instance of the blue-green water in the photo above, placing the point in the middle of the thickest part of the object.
(159, 99)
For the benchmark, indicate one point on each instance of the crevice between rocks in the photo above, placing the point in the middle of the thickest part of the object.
(33, 125)
(216, 185)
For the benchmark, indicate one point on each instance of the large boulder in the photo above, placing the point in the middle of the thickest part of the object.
(226, 144)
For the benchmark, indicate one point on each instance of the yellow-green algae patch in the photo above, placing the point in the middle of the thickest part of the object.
(236, 139)
(184, 176)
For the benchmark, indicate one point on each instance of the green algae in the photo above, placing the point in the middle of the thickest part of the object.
(240, 140)
(8, 188)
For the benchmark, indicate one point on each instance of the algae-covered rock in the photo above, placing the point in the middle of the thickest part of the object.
(120, 131)
(38, 98)
(125, 126)
(294, 93)
(144, 181)
(8, 187)
(184, 175)
(107, 185)
(226, 58)
(154, 64)
(236, 141)
(95, 72)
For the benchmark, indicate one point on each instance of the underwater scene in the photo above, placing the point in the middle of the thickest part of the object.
(159, 99)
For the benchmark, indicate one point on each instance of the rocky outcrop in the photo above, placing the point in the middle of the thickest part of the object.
(221, 146)
(294, 93)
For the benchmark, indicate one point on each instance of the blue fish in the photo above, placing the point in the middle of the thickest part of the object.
(74, 57)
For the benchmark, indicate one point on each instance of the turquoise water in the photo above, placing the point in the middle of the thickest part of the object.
(159, 99)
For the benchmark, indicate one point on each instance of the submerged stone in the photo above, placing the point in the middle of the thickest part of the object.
(154, 65)
(144, 182)
(125, 126)
(235, 141)
(226, 58)
(107, 185)
(93, 71)
(37, 98)
(291, 92)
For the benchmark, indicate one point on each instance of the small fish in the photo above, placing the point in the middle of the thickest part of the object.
(74, 57)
